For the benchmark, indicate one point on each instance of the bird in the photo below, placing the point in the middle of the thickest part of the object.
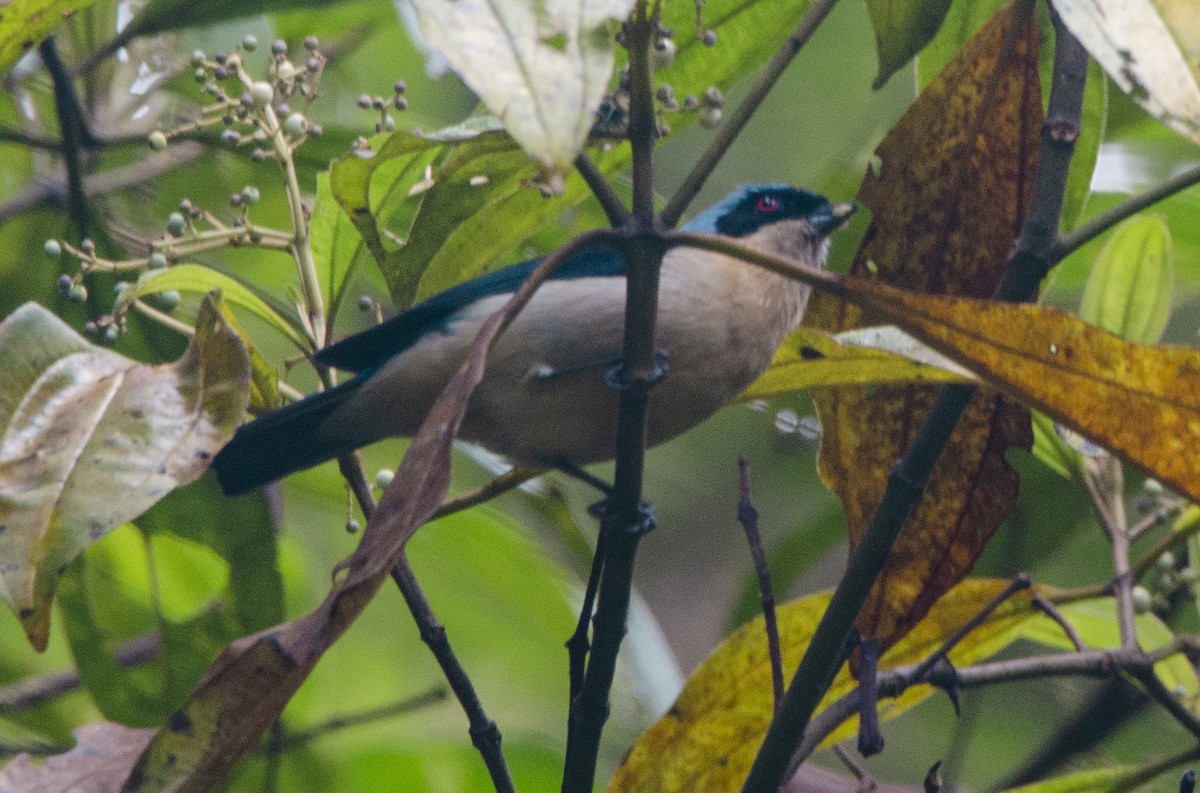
(545, 399)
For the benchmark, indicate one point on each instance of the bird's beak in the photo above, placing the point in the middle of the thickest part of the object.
(833, 219)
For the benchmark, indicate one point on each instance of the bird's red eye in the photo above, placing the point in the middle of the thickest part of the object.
(767, 203)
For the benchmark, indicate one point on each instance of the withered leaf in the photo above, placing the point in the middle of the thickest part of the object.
(948, 197)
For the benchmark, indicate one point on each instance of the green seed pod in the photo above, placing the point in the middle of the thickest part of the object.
(156, 140)
(157, 261)
(168, 301)
(77, 293)
(384, 477)
(262, 93)
(1129, 289)
(295, 125)
(52, 249)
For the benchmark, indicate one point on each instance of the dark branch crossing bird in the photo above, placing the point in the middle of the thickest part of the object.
(545, 398)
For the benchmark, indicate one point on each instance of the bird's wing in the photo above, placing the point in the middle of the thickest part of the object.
(372, 347)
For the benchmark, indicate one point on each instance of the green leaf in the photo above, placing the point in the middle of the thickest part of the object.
(960, 23)
(1129, 290)
(130, 585)
(92, 439)
(1051, 449)
(23, 25)
(337, 246)
(541, 68)
(810, 358)
(158, 16)
(197, 279)
(902, 28)
(1096, 622)
(1114, 779)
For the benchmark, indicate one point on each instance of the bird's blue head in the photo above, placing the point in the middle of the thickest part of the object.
(751, 207)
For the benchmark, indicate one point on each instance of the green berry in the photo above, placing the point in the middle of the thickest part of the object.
(77, 293)
(1142, 600)
(176, 225)
(157, 261)
(295, 125)
(713, 97)
(111, 334)
(198, 58)
(352, 526)
(250, 195)
(119, 288)
(52, 249)
(389, 124)
(384, 477)
(200, 75)
(710, 117)
(230, 137)
(157, 140)
(168, 301)
(250, 44)
(262, 93)
(664, 52)
(709, 38)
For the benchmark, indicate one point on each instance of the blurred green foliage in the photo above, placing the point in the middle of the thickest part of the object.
(506, 580)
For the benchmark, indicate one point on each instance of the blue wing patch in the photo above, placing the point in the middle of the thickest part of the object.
(372, 347)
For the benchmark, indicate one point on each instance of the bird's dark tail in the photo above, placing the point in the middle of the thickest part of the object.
(282, 441)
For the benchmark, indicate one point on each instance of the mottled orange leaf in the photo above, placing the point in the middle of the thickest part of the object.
(948, 195)
(1139, 401)
(708, 739)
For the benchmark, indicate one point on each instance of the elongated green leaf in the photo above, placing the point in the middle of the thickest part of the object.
(24, 24)
(1129, 289)
(1096, 623)
(92, 439)
(541, 68)
(197, 279)
(337, 246)
(1093, 122)
(902, 28)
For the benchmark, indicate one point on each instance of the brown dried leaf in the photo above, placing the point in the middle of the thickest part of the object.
(948, 199)
(99, 763)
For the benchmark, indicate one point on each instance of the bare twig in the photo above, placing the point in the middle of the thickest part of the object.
(626, 519)
(616, 212)
(290, 740)
(1051, 611)
(866, 782)
(748, 517)
(34, 691)
(498, 486)
(1067, 244)
(729, 131)
(485, 735)
(1019, 583)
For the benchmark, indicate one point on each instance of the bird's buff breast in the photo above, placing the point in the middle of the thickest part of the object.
(544, 396)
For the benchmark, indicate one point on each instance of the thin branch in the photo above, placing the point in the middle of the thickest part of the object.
(34, 691)
(894, 682)
(1018, 584)
(1089, 230)
(908, 478)
(1050, 610)
(616, 212)
(748, 517)
(291, 740)
(52, 191)
(485, 735)
(741, 115)
(498, 486)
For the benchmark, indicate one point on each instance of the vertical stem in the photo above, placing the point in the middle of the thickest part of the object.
(310, 287)
(626, 520)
